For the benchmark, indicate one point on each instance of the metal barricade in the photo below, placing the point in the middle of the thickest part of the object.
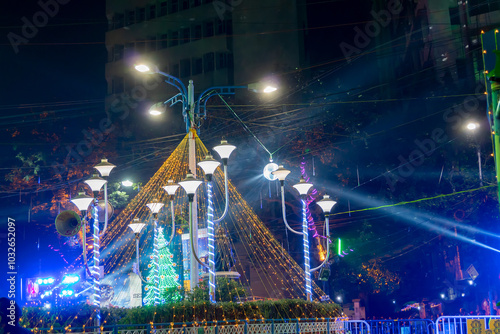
(458, 324)
(401, 326)
(356, 327)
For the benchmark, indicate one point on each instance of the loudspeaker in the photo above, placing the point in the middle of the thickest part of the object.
(68, 223)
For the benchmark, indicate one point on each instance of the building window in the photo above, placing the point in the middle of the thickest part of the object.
(152, 12)
(209, 29)
(140, 15)
(197, 32)
(185, 67)
(221, 60)
(130, 19)
(174, 70)
(119, 21)
(174, 40)
(163, 8)
(117, 85)
(164, 41)
(220, 27)
(184, 4)
(140, 46)
(185, 35)
(197, 66)
(174, 6)
(118, 52)
(208, 62)
(152, 44)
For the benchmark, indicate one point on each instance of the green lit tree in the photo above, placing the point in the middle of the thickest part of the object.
(170, 289)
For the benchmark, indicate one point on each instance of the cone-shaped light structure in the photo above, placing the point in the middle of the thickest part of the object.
(209, 165)
(82, 201)
(104, 167)
(281, 173)
(326, 204)
(136, 226)
(155, 206)
(190, 184)
(303, 186)
(171, 187)
(224, 150)
(95, 182)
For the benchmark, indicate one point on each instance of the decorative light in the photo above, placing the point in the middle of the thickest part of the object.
(154, 206)
(70, 279)
(224, 150)
(303, 186)
(127, 183)
(281, 173)
(82, 201)
(136, 226)
(104, 167)
(190, 184)
(171, 187)
(268, 171)
(142, 68)
(326, 204)
(95, 182)
(209, 165)
(270, 89)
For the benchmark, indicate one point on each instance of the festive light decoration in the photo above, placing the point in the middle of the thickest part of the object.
(168, 278)
(279, 274)
(96, 270)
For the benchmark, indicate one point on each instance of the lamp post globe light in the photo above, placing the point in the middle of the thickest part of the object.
(326, 205)
(136, 226)
(473, 127)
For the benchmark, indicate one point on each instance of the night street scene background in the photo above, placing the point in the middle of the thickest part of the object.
(384, 105)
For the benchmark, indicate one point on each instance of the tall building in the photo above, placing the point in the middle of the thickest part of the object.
(211, 42)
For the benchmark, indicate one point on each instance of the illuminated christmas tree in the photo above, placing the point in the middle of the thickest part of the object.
(170, 289)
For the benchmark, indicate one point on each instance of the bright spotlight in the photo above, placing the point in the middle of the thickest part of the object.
(339, 299)
(470, 282)
(394, 302)
(155, 112)
(463, 294)
(142, 68)
(47, 306)
(442, 296)
(127, 183)
(39, 281)
(70, 279)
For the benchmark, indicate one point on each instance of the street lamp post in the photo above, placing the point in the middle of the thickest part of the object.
(82, 202)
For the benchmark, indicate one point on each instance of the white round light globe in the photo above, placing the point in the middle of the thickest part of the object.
(270, 167)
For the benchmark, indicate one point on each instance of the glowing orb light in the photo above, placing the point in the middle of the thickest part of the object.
(270, 167)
